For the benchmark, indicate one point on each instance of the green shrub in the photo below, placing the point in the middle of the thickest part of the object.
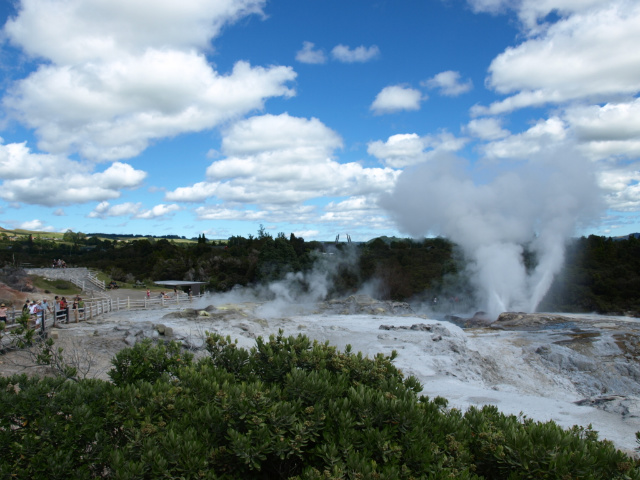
(289, 408)
(147, 362)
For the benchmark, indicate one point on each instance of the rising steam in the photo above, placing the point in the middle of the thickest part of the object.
(538, 204)
(297, 293)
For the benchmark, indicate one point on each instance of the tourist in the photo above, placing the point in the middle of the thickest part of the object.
(64, 308)
(33, 312)
(3, 313)
(46, 306)
(74, 307)
(56, 309)
(39, 311)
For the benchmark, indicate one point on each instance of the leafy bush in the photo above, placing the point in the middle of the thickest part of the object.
(147, 362)
(289, 408)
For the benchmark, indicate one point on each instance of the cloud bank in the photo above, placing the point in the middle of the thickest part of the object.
(121, 74)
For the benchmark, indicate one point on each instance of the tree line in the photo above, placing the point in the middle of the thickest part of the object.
(600, 274)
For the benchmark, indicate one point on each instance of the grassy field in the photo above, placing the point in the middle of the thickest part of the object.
(58, 236)
(56, 287)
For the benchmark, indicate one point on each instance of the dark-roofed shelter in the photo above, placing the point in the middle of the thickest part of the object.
(182, 285)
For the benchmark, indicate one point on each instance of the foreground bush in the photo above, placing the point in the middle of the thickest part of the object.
(288, 408)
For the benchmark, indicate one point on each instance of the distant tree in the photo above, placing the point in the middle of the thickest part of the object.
(262, 233)
(70, 236)
(276, 259)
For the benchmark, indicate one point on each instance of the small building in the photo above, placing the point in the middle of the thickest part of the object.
(183, 285)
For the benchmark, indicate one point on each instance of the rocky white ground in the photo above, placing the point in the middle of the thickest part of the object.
(571, 369)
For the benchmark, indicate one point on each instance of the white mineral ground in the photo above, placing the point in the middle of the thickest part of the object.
(572, 369)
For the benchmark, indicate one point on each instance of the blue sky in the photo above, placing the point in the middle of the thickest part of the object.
(320, 117)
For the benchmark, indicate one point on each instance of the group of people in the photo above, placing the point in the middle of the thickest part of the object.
(36, 310)
(58, 263)
(60, 310)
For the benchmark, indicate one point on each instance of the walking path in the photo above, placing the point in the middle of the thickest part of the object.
(81, 277)
(97, 299)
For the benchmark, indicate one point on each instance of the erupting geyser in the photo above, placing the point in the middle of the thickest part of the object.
(538, 204)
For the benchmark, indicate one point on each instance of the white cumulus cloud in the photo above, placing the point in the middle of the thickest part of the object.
(132, 210)
(75, 31)
(66, 182)
(589, 54)
(158, 211)
(35, 225)
(105, 209)
(449, 83)
(406, 149)
(360, 54)
(115, 75)
(396, 98)
(531, 12)
(112, 111)
(545, 134)
(486, 128)
(276, 163)
(609, 130)
(309, 54)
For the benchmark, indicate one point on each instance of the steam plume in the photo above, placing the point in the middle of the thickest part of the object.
(297, 293)
(539, 203)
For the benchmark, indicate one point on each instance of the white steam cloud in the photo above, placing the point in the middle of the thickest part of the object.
(538, 204)
(298, 292)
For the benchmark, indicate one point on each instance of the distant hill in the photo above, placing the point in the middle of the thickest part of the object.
(110, 236)
(627, 237)
(119, 236)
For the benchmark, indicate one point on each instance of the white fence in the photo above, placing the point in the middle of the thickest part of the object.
(93, 278)
(98, 306)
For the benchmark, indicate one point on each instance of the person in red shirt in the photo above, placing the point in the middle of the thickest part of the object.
(64, 308)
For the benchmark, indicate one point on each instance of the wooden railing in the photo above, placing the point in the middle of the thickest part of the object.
(98, 306)
(93, 278)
